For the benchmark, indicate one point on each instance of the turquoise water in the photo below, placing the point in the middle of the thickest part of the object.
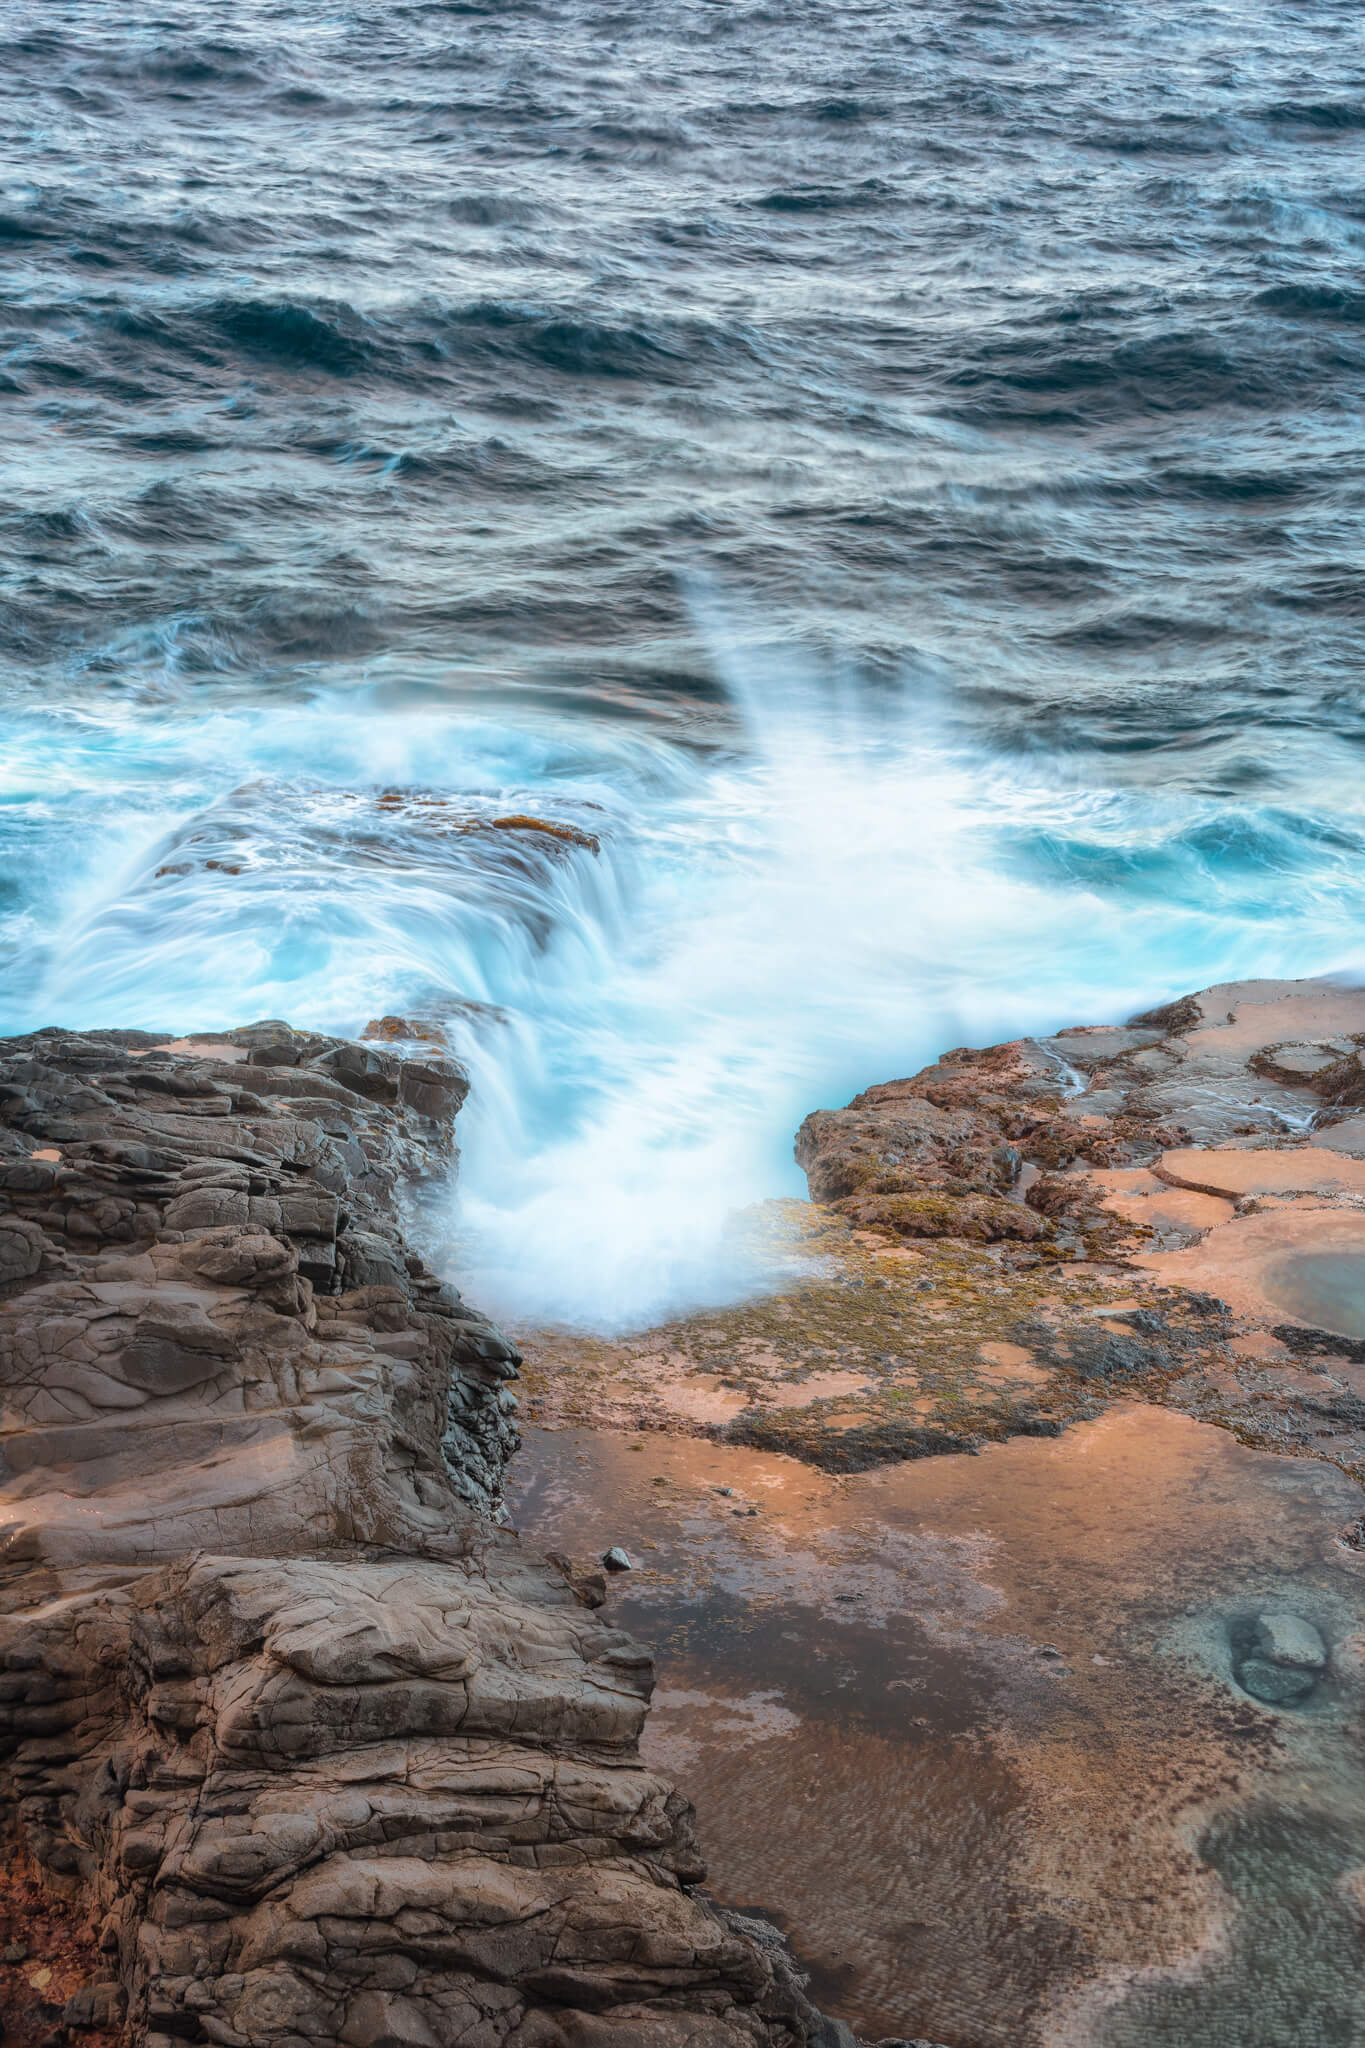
(893, 477)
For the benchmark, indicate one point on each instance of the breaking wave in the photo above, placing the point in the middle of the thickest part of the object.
(831, 892)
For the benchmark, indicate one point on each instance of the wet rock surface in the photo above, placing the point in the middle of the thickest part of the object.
(1002, 1243)
(1123, 1269)
(974, 1726)
(307, 1747)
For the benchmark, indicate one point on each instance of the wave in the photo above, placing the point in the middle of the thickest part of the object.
(423, 346)
(557, 339)
(1315, 301)
(869, 192)
(330, 339)
(764, 926)
(1180, 371)
(376, 375)
(1329, 116)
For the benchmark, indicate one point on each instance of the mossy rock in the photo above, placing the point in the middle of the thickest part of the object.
(980, 1219)
(870, 1444)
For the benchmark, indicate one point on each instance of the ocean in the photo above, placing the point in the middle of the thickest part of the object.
(889, 475)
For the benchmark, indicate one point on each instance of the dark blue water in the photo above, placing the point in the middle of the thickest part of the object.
(1017, 346)
(893, 473)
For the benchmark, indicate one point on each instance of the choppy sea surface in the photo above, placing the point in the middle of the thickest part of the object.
(891, 474)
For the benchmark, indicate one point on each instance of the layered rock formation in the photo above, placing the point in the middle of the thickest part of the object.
(312, 1749)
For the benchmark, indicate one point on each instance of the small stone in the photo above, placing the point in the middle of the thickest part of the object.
(616, 1560)
(1288, 1639)
(1275, 1685)
(726, 1490)
(17, 1952)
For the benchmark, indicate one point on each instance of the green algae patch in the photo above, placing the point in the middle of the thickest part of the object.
(974, 1218)
(860, 1349)
(863, 1447)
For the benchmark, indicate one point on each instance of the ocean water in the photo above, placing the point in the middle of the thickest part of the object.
(892, 475)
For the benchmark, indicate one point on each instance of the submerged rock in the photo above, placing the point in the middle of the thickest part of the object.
(1279, 1658)
(1278, 1685)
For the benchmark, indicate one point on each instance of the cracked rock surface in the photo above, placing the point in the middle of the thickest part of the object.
(323, 1756)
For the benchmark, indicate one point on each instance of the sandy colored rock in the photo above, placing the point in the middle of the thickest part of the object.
(1304, 1169)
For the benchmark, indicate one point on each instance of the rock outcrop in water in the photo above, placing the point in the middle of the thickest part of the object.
(315, 1751)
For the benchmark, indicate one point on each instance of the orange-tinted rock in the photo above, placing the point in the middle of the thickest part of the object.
(392, 1030)
(572, 834)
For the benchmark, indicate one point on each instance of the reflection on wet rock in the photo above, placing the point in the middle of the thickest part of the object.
(1284, 1970)
(963, 1723)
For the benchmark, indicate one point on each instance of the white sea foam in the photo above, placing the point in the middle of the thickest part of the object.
(827, 902)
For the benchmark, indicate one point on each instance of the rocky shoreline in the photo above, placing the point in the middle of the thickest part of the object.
(1009, 1240)
(995, 1730)
(300, 1744)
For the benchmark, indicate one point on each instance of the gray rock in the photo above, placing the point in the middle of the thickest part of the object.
(834, 2034)
(369, 1260)
(899, 2042)
(174, 1347)
(207, 1208)
(1277, 1685)
(616, 1559)
(21, 1250)
(1287, 1639)
(95, 2005)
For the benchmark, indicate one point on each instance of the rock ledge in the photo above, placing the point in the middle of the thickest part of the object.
(315, 1752)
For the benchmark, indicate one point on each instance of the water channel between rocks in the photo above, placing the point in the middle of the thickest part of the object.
(970, 1729)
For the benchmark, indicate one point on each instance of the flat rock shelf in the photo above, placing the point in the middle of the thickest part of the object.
(1004, 1552)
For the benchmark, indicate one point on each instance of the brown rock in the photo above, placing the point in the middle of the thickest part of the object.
(322, 1755)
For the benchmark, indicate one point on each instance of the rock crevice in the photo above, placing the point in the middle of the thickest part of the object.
(320, 1754)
